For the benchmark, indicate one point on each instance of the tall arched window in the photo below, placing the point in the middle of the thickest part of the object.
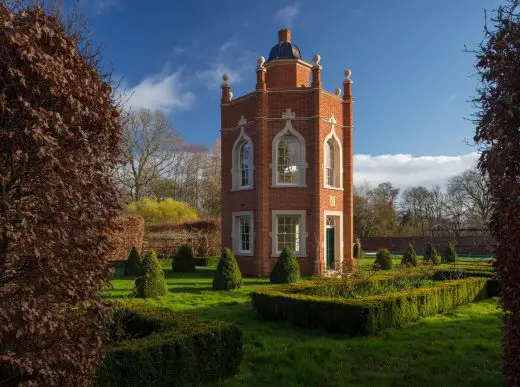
(288, 160)
(330, 163)
(244, 165)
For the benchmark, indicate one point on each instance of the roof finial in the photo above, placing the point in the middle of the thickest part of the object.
(260, 61)
(348, 73)
(316, 59)
(225, 77)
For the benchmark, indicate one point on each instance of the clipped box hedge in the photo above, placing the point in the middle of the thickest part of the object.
(168, 348)
(207, 261)
(367, 315)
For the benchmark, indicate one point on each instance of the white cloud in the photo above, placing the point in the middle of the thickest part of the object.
(451, 98)
(287, 14)
(177, 50)
(230, 59)
(160, 92)
(405, 170)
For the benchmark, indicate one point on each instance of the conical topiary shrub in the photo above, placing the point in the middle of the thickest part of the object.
(133, 266)
(409, 257)
(286, 270)
(383, 260)
(227, 276)
(152, 283)
(430, 255)
(183, 260)
(450, 254)
(358, 253)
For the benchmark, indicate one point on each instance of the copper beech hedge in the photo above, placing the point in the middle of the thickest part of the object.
(59, 138)
(128, 233)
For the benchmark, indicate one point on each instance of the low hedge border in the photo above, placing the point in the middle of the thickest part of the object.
(207, 261)
(367, 315)
(168, 348)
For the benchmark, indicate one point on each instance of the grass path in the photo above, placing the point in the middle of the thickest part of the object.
(457, 349)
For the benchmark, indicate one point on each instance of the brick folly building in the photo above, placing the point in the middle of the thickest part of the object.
(287, 166)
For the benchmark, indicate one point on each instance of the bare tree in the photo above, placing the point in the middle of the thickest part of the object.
(151, 148)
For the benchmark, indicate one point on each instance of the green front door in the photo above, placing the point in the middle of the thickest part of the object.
(329, 253)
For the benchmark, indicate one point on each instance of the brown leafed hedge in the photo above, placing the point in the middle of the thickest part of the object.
(59, 139)
(128, 233)
(497, 122)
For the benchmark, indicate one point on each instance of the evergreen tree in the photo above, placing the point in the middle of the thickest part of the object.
(286, 270)
(133, 266)
(383, 260)
(430, 255)
(152, 283)
(450, 254)
(227, 276)
(183, 260)
(409, 257)
(358, 252)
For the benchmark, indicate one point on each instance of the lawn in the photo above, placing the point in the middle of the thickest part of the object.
(457, 349)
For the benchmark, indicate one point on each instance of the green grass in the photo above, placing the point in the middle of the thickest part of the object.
(367, 262)
(457, 349)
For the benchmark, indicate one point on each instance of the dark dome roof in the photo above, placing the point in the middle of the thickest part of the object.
(284, 50)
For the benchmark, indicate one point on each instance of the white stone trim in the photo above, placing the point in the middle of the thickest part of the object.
(303, 231)
(339, 241)
(288, 115)
(234, 158)
(234, 233)
(338, 150)
(281, 62)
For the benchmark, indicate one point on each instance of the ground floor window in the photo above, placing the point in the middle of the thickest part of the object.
(289, 232)
(243, 232)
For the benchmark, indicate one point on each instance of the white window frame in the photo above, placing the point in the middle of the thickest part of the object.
(303, 231)
(288, 130)
(235, 233)
(338, 161)
(235, 167)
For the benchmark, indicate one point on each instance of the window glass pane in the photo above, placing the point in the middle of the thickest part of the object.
(244, 230)
(288, 232)
(330, 163)
(244, 164)
(288, 160)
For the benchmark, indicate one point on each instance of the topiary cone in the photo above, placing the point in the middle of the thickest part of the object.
(152, 283)
(228, 275)
(383, 260)
(430, 255)
(133, 266)
(450, 254)
(409, 257)
(286, 270)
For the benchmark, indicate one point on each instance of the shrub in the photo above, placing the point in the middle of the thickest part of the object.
(134, 265)
(450, 254)
(161, 347)
(366, 315)
(286, 270)
(430, 255)
(207, 261)
(227, 276)
(159, 211)
(183, 261)
(152, 283)
(358, 253)
(383, 260)
(409, 257)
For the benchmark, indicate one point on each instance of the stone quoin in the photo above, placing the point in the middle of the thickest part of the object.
(287, 166)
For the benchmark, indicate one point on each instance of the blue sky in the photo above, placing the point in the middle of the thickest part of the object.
(412, 78)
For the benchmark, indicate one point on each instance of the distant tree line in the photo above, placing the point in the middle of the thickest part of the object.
(462, 208)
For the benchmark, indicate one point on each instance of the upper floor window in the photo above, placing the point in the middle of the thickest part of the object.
(244, 165)
(332, 162)
(288, 160)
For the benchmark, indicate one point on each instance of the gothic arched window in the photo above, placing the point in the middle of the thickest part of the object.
(288, 160)
(244, 165)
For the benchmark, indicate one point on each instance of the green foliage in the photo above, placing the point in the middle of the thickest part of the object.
(358, 252)
(409, 257)
(152, 283)
(366, 315)
(183, 260)
(450, 254)
(383, 260)
(159, 211)
(161, 347)
(133, 266)
(430, 255)
(227, 276)
(286, 270)
(207, 261)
